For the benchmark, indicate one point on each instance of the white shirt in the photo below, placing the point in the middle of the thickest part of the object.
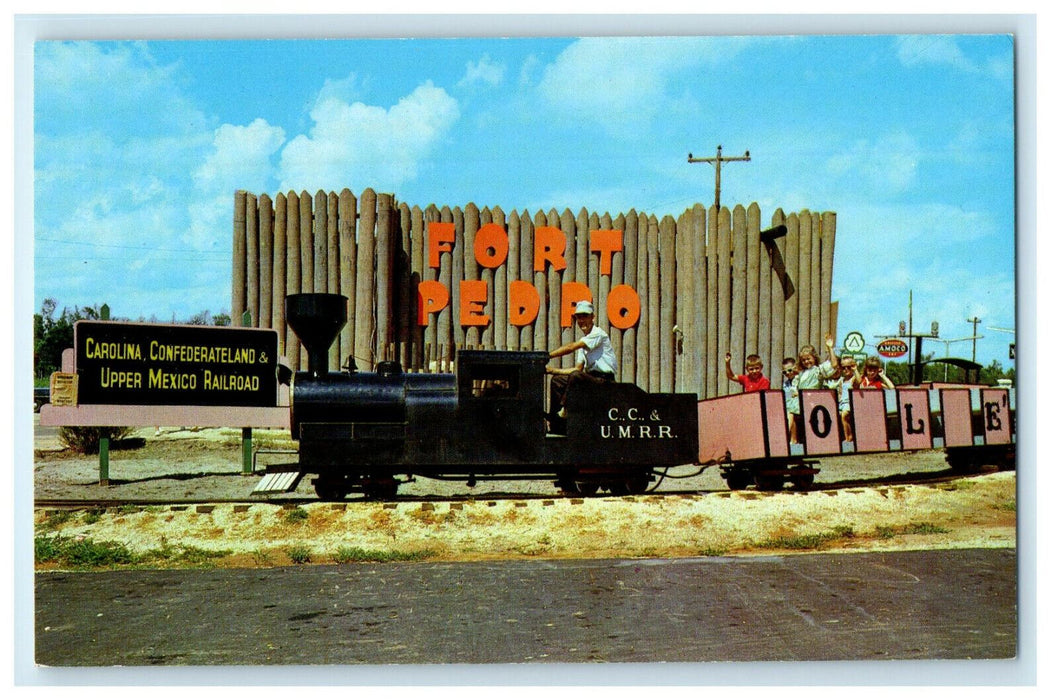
(599, 356)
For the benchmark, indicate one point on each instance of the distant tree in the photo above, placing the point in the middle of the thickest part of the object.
(222, 319)
(52, 335)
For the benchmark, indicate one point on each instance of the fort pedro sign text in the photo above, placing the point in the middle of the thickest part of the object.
(151, 364)
(491, 247)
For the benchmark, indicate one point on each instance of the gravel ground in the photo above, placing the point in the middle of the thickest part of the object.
(206, 465)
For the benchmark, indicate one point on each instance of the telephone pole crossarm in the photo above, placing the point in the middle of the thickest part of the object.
(718, 161)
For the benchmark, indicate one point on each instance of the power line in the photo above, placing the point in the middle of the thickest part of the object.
(125, 247)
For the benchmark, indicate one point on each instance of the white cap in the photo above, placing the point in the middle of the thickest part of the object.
(584, 307)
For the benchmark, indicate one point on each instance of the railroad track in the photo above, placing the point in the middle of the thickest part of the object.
(293, 501)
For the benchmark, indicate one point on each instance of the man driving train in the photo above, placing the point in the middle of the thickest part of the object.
(595, 363)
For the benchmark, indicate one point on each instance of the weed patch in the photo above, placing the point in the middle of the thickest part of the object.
(808, 541)
(351, 555)
(299, 554)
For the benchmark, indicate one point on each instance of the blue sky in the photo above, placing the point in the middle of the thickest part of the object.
(138, 147)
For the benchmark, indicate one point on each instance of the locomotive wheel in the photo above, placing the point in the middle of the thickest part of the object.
(572, 487)
(638, 483)
(802, 482)
(632, 484)
(331, 488)
(738, 479)
(381, 489)
(586, 488)
(768, 482)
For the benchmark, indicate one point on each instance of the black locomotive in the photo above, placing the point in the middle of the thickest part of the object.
(370, 431)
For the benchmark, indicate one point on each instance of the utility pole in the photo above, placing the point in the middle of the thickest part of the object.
(718, 160)
(974, 321)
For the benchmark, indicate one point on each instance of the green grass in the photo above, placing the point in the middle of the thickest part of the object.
(299, 554)
(296, 515)
(57, 519)
(349, 555)
(808, 541)
(86, 553)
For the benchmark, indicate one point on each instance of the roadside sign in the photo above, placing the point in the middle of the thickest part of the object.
(892, 347)
(854, 342)
(152, 364)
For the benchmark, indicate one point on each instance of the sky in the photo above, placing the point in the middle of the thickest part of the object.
(138, 147)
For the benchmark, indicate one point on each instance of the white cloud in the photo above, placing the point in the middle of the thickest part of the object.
(883, 167)
(484, 71)
(76, 80)
(621, 82)
(354, 145)
(240, 159)
(932, 48)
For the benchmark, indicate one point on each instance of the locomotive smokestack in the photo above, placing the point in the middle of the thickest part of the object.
(316, 320)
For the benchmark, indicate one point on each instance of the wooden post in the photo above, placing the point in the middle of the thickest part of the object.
(418, 274)
(819, 320)
(365, 282)
(293, 348)
(488, 275)
(319, 243)
(444, 322)
(804, 293)
(104, 440)
(755, 296)
(758, 252)
(646, 331)
(739, 276)
(667, 302)
(686, 290)
(701, 317)
(569, 229)
(279, 271)
(630, 276)
(514, 262)
(779, 348)
(712, 301)
(606, 282)
(238, 258)
(458, 257)
(334, 353)
(829, 226)
(724, 320)
(293, 345)
(752, 256)
(308, 274)
(540, 282)
(471, 224)
(265, 223)
(402, 293)
(253, 260)
(247, 450)
(525, 268)
(792, 256)
(347, 269)
(554, 293)
(384, 265)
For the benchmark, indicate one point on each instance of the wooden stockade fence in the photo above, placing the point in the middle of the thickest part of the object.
(706, 282)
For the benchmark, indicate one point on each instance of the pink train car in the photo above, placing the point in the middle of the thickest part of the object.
(748, 435)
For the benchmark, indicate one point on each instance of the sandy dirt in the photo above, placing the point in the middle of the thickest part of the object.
(977, 511)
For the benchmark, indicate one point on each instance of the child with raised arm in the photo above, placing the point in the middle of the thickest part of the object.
(753, 379)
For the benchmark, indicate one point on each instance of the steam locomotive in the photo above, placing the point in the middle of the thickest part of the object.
(369, 431)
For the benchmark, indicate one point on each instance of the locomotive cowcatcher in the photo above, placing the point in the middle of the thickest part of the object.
(369, 431)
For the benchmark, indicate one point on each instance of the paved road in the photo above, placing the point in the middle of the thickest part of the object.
(902, 605)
